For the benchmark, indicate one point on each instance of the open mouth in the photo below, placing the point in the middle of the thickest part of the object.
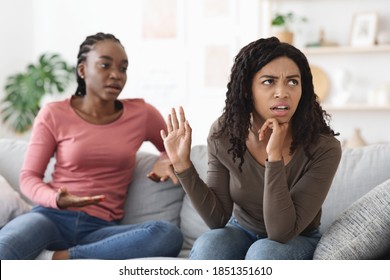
(115, 87)
(280, 108)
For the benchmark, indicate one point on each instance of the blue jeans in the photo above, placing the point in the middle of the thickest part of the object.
(86, 237)
(233, 242)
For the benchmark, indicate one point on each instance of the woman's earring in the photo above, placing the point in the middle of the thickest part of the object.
(82, 77)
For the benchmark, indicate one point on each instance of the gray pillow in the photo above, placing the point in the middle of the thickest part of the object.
(191, 224)
(362, 231)
(12, 153)
(11, 204)
(148, 200)
(351, 181)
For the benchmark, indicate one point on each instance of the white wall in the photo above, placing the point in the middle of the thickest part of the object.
(16, 48)
(171, 72)
(167, 72)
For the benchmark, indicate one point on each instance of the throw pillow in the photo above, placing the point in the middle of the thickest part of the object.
(362, 231)
(149, 200)
(11, 203)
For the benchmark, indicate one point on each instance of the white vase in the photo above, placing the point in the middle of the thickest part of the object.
(356, 140)
(342, 82)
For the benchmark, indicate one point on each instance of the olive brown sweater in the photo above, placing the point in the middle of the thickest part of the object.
(277, 200)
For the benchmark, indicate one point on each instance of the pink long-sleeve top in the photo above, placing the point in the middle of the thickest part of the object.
(90, 159)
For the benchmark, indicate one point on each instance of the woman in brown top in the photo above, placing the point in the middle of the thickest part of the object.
(271, 160)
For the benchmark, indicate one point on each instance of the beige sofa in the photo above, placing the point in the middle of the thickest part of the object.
(355, 220)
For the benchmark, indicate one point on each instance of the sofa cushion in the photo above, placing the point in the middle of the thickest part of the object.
(11, 204)
(12, 153)
(360, 232)
(359, 171)
(148, 200)
(191, 224)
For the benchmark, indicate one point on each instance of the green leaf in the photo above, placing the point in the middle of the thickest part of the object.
(24, 91)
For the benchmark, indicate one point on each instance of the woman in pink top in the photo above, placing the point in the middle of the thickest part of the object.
(94, 137)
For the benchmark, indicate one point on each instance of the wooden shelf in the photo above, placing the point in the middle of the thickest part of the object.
(346, 50)
(356, 108)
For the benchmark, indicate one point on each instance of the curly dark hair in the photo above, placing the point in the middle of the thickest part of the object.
(309, 120)
(84, 49)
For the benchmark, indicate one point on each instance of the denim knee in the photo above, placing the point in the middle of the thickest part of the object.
(300, 248)
(7, 252)
(170, 235)
(25, 236)
(149, 239)
(266, 249)
(229, 243)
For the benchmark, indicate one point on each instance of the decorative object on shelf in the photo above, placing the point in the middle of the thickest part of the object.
(322, 41)
(320, 81)
(380, 96)
(364, 29)
(281, 25)
(356, 140)
(24, 91)
(342, 84)
(383, 37)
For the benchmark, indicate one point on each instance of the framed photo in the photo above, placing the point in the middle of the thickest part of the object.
(364, 29)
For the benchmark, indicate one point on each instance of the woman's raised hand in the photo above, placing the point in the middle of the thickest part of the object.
(178, 141)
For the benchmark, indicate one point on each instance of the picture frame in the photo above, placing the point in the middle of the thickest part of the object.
(364, 29)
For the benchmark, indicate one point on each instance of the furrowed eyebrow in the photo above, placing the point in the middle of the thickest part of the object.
(110, 58)
(275, 77)
(294, 76)
(106, 57)
(267, 77)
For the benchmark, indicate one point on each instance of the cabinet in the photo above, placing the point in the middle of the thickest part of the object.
(347, 50)
(367, 70)
(367, 67)
(360, 70)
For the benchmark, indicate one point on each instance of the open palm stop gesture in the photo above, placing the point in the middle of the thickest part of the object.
(178, 141)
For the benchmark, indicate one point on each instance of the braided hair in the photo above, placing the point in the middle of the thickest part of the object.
(85, 48)
(309, 120)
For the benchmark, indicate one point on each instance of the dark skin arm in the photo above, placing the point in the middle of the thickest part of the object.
(65, 199)
(163, 170)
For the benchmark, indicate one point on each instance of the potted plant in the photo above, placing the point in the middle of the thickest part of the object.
(281, 24)
(24, 91)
